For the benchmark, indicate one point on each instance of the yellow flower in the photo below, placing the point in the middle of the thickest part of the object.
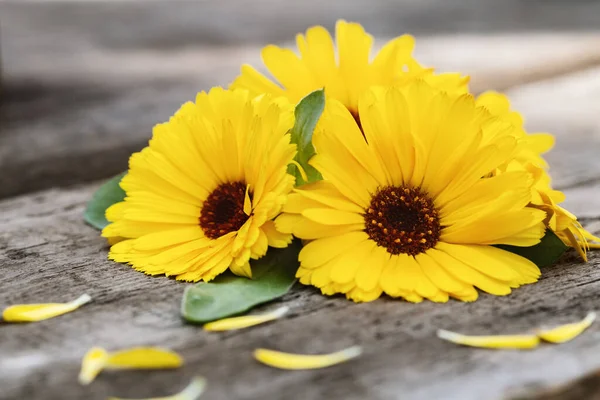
(531, 145)
(348, 77)
(558, 219)
(529, 158)
(406, 212)
(201, 197)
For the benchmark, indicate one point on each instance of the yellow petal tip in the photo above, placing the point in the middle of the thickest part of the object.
(567, 332)
(93, 363)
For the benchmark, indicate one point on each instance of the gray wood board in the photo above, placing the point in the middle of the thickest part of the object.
(48, 254)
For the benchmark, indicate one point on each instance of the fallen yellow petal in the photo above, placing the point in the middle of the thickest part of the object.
(192, 391)
(144, 358)
(492, 341)
(40, 312)
(97, 359)
(227, 324)
(281, 360)
(567, 332)
(93, 362)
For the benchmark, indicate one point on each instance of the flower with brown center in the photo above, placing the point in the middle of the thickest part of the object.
(202, 196)
(409, 205)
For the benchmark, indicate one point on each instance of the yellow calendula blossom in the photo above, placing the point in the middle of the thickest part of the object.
(201, 197)
(529, 158)
(406, 212)
(345, 69)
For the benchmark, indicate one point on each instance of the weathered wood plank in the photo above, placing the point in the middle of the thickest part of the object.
(67, 119)
(48, 254)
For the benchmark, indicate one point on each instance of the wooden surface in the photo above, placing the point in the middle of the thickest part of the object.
(85, 81)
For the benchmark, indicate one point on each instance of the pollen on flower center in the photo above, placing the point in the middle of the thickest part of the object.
(223, 210)
(403, 220)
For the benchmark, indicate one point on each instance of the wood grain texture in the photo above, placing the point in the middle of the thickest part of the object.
(48, 254)
(84, 82)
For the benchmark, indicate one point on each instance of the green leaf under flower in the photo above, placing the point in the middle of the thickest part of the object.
(272, 276)
(307, 114)
(107, 195)
(543, 254)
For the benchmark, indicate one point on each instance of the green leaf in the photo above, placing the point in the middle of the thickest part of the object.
(543, 254)
(307, 114)
(108, 194)
(272, 276)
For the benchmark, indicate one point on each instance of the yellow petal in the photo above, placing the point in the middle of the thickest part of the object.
(567, 332)
(281, 360)
(492, 341)
(97, 359)
(40, 312)
(93, 362)
(143, 358)
(245, 321)
(192, 392)
(247, 202)
(243, 270)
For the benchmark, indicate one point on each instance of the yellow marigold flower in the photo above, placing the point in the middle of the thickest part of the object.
(529, 158)
(406, 212)
(201, 197)
(559, 220)
(531, 145)
(345, 70)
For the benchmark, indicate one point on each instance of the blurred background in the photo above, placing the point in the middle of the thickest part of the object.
(83, 82)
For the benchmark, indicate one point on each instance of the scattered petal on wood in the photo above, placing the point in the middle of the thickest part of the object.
(281, 360)
(97, 359)
(192, 392)
(245, 321)
(40, 312)
(144, 358)
(567, 332)
(93, 362)
(491, 341)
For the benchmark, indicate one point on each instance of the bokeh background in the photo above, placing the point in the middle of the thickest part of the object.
(83, 82)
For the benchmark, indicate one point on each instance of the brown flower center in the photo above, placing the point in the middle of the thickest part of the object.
(223, 210)
(403, 220)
